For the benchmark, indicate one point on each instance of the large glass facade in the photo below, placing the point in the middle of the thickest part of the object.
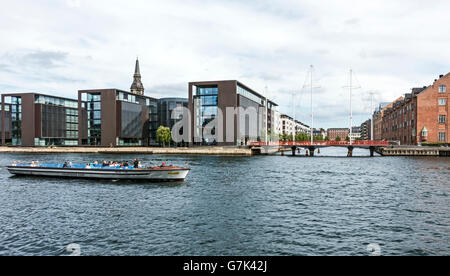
(94, 118)
(206, 109)
(7, 127)
(131, 120)
(16, 119)
(59, 121)
(167, 106)
(126, 97)
(250, 95)
(48, 100)
(152, 107)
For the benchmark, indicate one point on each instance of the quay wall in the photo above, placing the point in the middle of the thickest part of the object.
(134, 150)
(414, 151)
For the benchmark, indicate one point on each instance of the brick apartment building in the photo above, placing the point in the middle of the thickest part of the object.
(378, 121)
(420, 117)
(342, 133)
(366, 130)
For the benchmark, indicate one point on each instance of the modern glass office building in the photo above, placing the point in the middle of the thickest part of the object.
(168, 115)
(208, 100)
(34, 119)
(206, 110)
(99, 117)
(5, 124)
(166, 107)
(113, 117)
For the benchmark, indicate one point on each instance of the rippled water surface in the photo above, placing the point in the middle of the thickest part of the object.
(268, 205)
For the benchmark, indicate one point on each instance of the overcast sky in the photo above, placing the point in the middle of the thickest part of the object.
(62, 46)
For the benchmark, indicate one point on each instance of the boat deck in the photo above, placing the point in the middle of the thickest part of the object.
(166, 173)
(93, 167)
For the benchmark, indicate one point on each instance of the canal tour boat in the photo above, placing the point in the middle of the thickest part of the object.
(151, 174)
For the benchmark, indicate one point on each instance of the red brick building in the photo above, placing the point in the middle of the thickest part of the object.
(419, 117)
(377, 119)
(342, 133)
(432, 112)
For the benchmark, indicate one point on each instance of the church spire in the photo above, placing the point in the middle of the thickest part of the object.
(137, 87)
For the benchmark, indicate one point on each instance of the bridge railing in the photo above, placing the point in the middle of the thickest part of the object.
(323, 143)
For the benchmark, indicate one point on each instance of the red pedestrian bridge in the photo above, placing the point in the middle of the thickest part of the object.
(370, 145)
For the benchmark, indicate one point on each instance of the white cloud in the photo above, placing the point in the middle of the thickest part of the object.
(74, 3)
(62, 46)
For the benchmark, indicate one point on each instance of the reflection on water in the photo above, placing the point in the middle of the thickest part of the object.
(266, 205)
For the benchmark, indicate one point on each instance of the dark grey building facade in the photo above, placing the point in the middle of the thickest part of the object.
(207, 99)
(113, 117)
(33, 119)
(166, 106)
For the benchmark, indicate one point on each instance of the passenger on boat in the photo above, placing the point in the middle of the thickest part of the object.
(14, 164)
(163, 164)
(88, 166)
(65, 165)
(136, 163)
(105, 164)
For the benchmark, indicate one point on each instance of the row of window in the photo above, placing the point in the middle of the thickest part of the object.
(94, 124)
(250, 95)
(207, 91)
(71, 126)
(57, 142)
(39, 99)
(91, 97)
(94, 106)
(126, 97)
(71, 112)
(96, 115)
(71, 119)
(130, 142)
(13, 100)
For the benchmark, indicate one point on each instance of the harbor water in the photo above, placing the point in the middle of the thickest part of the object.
(262, 205)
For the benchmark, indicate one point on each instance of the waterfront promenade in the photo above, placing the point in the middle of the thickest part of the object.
(131, 150)
(235, 151)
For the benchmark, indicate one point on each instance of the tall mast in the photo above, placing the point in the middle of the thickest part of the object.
(371, 117)
(267, 115)
(294, 127)
(312, 107)
(351, 108)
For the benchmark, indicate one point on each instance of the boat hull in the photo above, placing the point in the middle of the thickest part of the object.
(150, 175)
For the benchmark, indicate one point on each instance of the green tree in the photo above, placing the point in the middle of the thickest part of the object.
(318, 138)
(327, 138)
(163, 135)
(302, 137)
(347, 138)
(338, 139)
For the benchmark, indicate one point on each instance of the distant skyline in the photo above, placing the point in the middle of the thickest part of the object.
(60, 47)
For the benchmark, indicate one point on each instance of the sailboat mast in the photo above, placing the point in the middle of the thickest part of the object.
(267, 115)
(294, 127)
(371, 117)
(312, 107)
(351, 107)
